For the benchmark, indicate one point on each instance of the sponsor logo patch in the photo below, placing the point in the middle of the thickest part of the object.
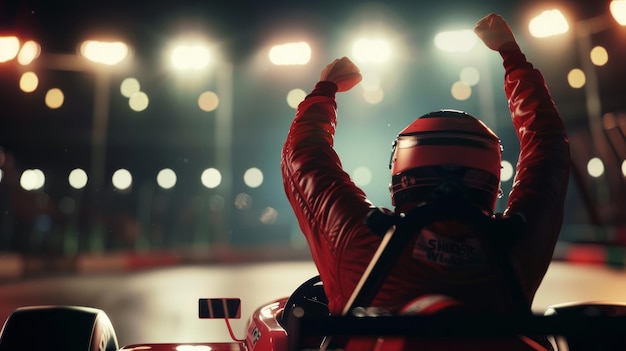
(449, 252)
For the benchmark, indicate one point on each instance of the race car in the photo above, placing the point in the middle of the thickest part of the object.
(302, 320)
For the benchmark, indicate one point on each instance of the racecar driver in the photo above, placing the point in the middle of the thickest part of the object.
(440, 152)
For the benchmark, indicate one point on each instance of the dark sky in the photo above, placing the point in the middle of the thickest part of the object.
(167, 135)
(240, 25)
(60, 24)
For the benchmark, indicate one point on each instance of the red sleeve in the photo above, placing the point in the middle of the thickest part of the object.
(329, 207)
(542, 171)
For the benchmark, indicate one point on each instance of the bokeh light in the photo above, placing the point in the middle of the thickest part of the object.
(32, 179)
(166, 178)
(129, 87)
(595, 167)
(461, 91)
(9, 47)
(108, 53)
(269, 216)
(77, 178)
(208, 101)
(373, 96)
(190, 57)
(618, 11)
(253, 177)
(54, 98)
(373, 50)
(456, 41)
(211, 178)
(28, 53)
(548, 23)
(243, 201)
(295, 97)
(470, 76)
(362, 176)
(139, 101)
(576, 78)
(599, 56)
(507, 171)
(29, 82)
(122, 179)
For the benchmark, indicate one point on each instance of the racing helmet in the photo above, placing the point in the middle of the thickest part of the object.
(444, 152)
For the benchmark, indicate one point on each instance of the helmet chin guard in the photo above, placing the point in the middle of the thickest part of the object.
(446, 146)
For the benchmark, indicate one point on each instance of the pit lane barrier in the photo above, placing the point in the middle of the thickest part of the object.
(15, 266)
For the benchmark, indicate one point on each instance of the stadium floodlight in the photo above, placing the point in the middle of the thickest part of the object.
(548, 23)
(298, 53)
(193, 57)
(456, 41)
(105, 52)
(618, 11)
(9, 47)
(371, 50)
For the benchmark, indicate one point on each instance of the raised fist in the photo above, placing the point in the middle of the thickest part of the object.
(494, 31)
(343, 72)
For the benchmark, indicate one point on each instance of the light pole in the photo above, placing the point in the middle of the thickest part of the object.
(192, 55)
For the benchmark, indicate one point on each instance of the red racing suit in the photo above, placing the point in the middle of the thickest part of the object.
(331, 209)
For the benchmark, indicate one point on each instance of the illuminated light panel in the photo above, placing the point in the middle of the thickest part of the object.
(290, 54)
(29, 82)
(122, 179)
(211, 178)
(371, 50)
(595, 167)
(599, 56)
(253, 177)
(77, 178)
(139, 101)
(618, 11)
(108, 53)
(54, 98)
(576, 78)
(190, 57)
(129, 87)
(28, 53)
(208, 101)
(456, 41)
(548, 23)
(9, 47)
(166, 178)
(461, 91)
(295, 97)
(624, 168)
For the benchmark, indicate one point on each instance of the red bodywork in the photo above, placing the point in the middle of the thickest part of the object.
(264, 333)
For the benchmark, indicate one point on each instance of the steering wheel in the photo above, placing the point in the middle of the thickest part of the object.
(309, 298)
